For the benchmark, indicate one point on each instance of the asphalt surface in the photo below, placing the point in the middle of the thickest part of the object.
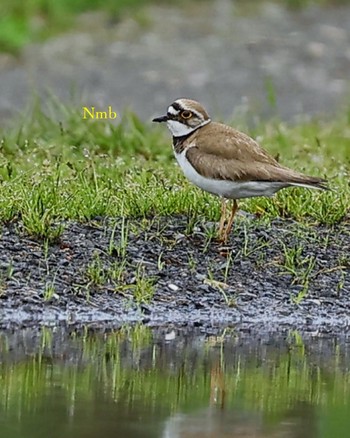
(255, 62)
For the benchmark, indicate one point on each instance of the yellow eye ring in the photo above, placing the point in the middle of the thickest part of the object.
(186, 114)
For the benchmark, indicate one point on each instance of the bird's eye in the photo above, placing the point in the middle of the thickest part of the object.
(186, 114)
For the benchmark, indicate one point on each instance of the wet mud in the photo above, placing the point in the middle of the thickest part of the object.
(169, 271)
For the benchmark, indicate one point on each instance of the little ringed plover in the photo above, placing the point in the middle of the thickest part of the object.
(224, 161)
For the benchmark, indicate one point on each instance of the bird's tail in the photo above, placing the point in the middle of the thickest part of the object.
(310, 182)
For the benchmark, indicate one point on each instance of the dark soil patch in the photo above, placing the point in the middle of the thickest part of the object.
(87, 278)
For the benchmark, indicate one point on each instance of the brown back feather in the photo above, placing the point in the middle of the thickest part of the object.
(220, 152)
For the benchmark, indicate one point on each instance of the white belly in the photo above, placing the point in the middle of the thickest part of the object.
(228, 189)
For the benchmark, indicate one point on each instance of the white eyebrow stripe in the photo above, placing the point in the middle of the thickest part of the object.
(172, 111)
(196, 113)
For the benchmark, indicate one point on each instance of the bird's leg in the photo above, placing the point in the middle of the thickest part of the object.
(230, 220)
(222, 219)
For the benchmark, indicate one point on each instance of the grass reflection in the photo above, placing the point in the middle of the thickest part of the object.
(139, 368)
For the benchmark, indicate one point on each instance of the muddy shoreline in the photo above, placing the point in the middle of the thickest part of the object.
(96, 275)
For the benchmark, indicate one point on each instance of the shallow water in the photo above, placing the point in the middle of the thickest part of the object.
(170, 383)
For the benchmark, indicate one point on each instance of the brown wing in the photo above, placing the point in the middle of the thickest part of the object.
(226, 142)
(225, 153)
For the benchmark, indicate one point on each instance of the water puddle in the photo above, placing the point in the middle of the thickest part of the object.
(168, 384)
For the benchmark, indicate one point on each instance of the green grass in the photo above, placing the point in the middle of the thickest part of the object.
(33, 20)
(59, 167)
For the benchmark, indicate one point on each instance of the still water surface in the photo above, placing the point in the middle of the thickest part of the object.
(169, 384)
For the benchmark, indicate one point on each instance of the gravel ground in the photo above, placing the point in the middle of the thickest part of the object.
(191, 276)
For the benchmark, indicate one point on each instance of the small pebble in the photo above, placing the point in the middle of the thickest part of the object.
(170, 336)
